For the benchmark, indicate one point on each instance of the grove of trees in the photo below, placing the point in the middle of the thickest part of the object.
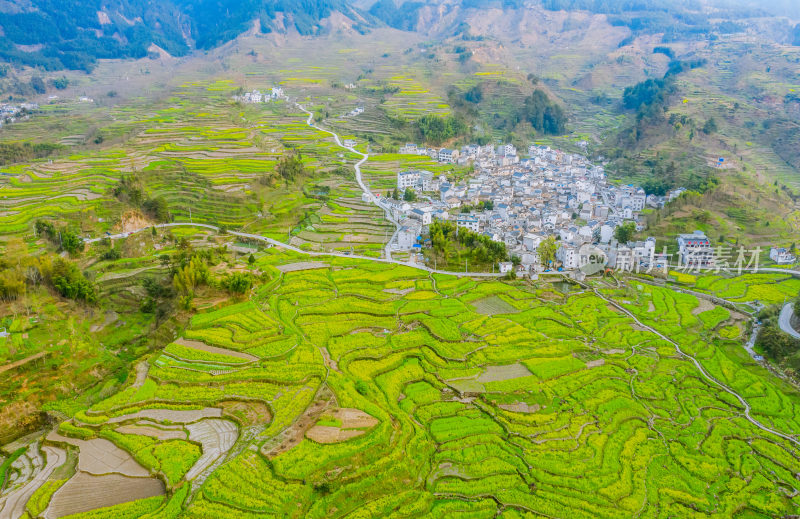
(291, 167)
(20, 271)
(453, 245)
(545, 115)
(436, 130)
(624, 233)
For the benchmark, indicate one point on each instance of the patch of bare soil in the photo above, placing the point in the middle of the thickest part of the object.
(100, 456)
(355, 422)
(142, 368)
(133, 220)
(302, 265)
(292, 436)
(354, 418)
(613, 351)
(595, 363)
(399, 291)
(84, 492)
(332, 364)
(111, 317)
(500, 373)
(704, 306)
(212, 349)
(521, 407)
(328, 434)
(246, 413)
(651, 307)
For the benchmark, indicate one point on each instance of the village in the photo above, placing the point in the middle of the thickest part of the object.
(521, 202)
(11, 113)
(256, 96)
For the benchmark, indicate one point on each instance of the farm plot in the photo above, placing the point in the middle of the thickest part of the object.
(84, 492)
(216, 438)
(100, 456)
(367, 397)
(341, 425)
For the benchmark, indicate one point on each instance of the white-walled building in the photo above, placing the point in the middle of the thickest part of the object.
(448, 156)
(424, 217)
(568, 256)
(531, 242)
(468, 221)
(407, 179)
(407, 237)
(781, 256)
(695, 250)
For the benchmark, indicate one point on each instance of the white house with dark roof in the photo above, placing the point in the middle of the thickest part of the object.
(448, 156)
(407, 179)
(781, 256)
(468, 221)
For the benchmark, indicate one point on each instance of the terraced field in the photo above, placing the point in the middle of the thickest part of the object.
(212, 161)
(766, 287)
(353, 388)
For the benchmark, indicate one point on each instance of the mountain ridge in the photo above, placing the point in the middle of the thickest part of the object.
(72, 34)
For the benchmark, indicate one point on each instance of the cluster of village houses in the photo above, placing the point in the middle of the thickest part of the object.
(11, 113)
(256, 96)
(526, 200)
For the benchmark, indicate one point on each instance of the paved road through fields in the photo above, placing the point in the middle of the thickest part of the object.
(785, 320)
(357, 166)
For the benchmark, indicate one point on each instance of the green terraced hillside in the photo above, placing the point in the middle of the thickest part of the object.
(345, 388)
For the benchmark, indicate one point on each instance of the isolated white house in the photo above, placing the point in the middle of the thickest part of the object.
(781, 256)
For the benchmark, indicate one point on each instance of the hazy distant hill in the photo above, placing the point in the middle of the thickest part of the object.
(673, 19)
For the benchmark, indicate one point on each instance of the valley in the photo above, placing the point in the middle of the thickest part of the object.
(273, 260)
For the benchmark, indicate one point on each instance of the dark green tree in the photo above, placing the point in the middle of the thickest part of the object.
(624, 233)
